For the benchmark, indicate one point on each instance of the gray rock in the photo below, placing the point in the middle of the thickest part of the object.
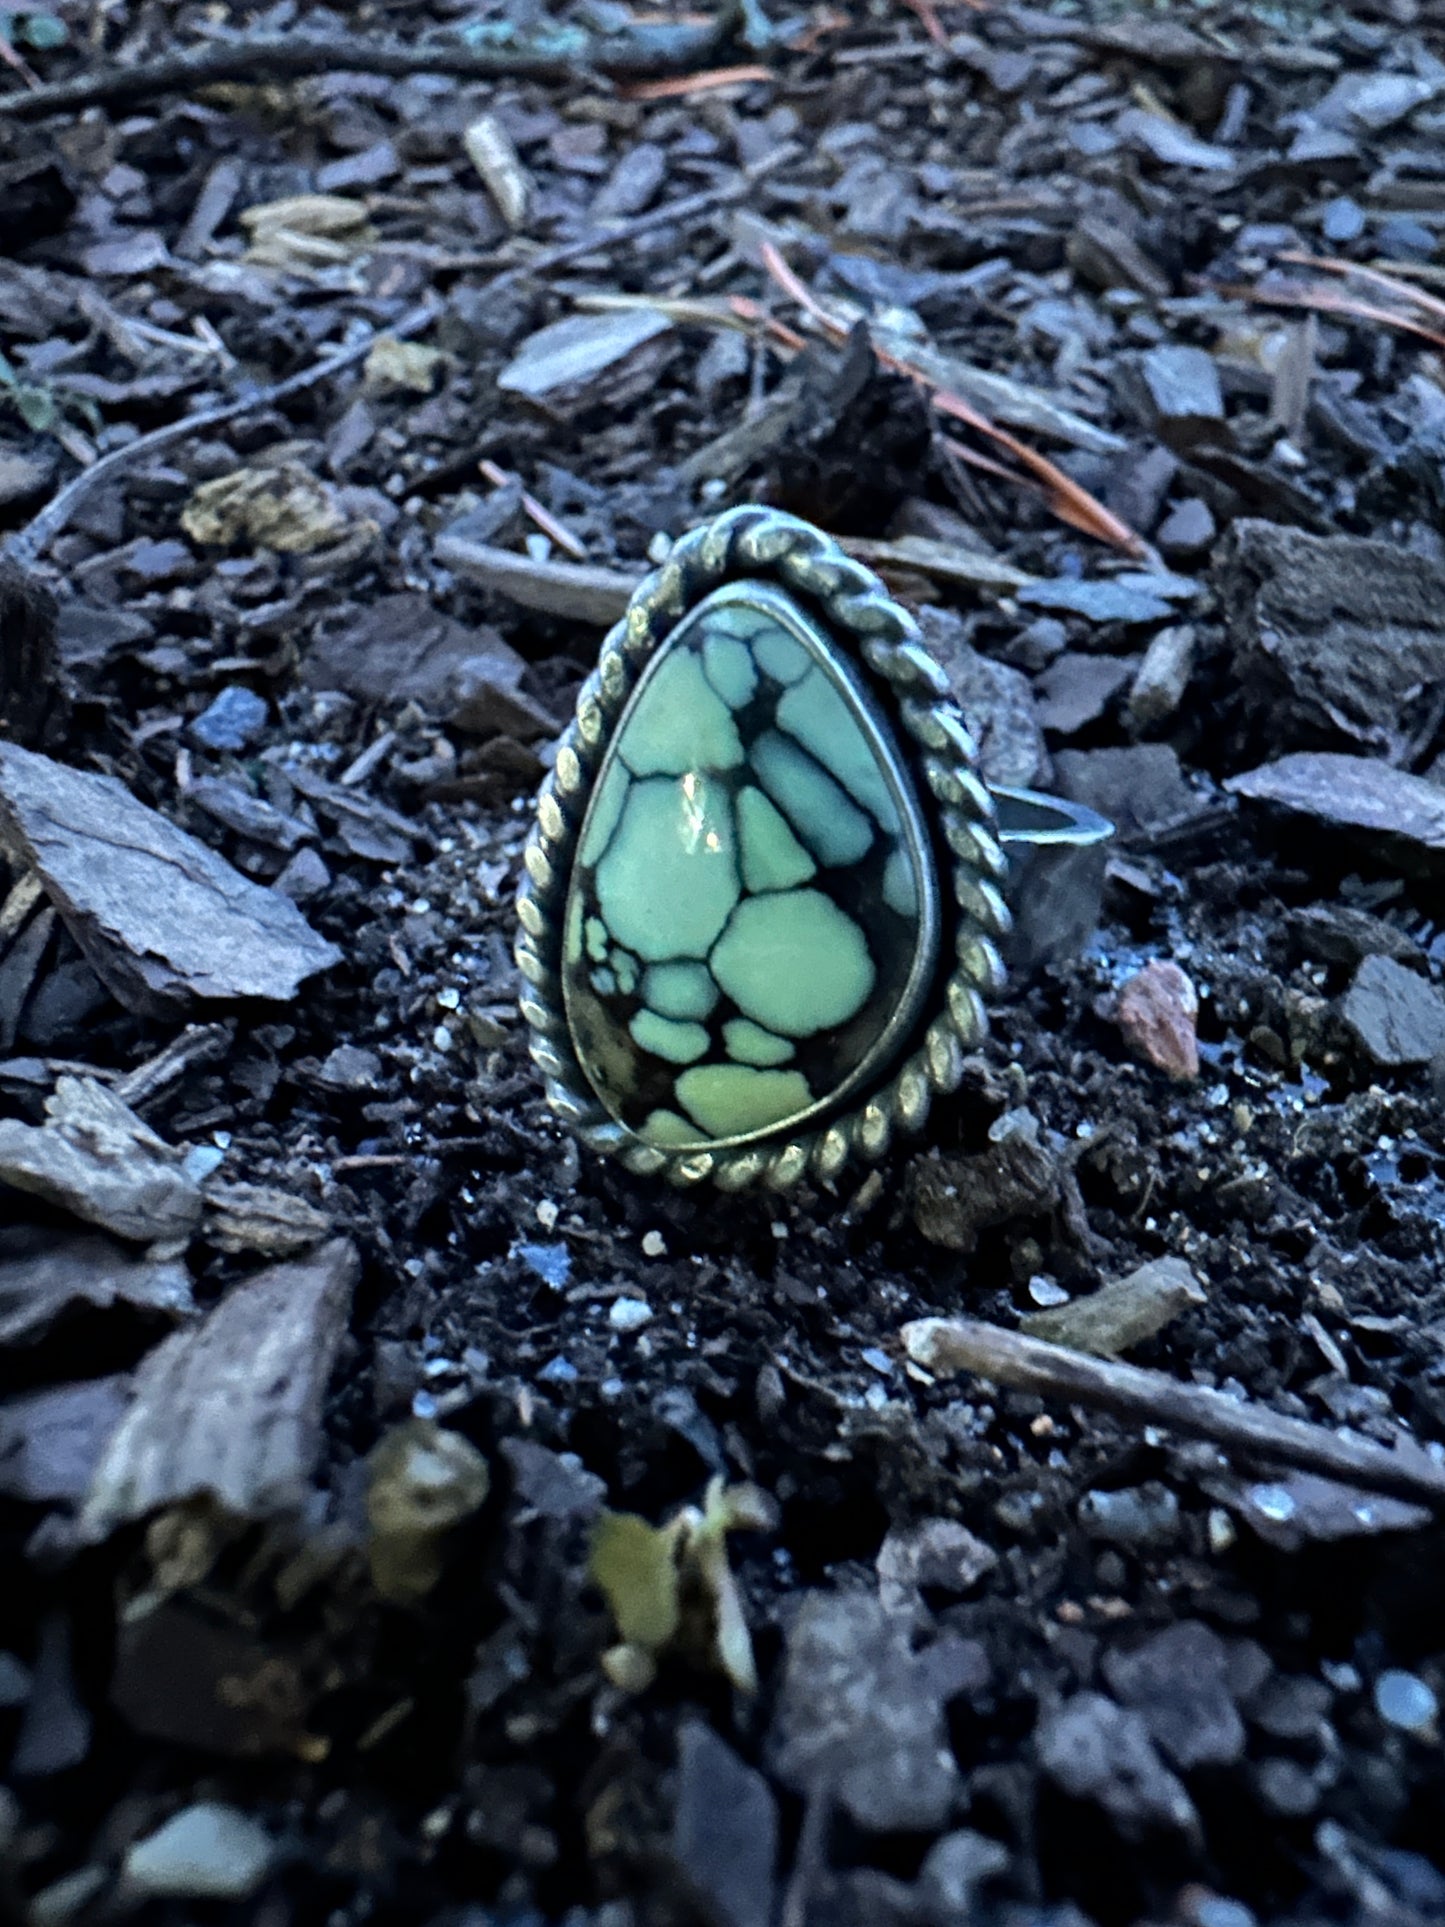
(1076, 690)
(633, 184)
(724, 1832)
(232, 720)
(401, 649)
(1343, 221)
(95, 1158)
(1171, 144)
(305, 877)
(861, 1713)
(1096, 1750)
(55, 1730)
(1178, 1681)
(997, 702)
(1401, 816)
(204, 1852)
(953, 1870)
(45, 1274)
(1293, 1508)
(1141, 790)
(163, 921)
(940, 1555)
(351, 1068)
(1187, 532)
(1395, 1016)
(1337, 933)
(1404, 1700)
(1136, 1517)
(23, 476)
(1286, 1788)
(1290, 1707)
(1370, 103)
(14, 1682)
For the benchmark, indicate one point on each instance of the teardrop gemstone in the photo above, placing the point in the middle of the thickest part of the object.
(752, 919)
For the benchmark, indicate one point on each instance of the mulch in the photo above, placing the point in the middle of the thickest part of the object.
(406, 1517)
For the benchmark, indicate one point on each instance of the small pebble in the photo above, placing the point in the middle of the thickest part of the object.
(1156, 1013)
(1404, 1700)
(1273, 1502)
(1046, 1291)
(1187, 532)
(1138, 1516)
(1343, 221)
(654, 1245)
(629, 1314)
(204, 1852)
(1222, 1534)
(232, 721)
(551, 1263)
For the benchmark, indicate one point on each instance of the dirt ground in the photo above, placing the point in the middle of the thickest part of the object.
(406, 1517)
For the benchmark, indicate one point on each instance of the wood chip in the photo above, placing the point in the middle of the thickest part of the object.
(163, 921)
(45, 1274)
(569, 589)
(231, 1411)
(95, 1158)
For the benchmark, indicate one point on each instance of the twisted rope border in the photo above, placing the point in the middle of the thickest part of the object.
(755, 542)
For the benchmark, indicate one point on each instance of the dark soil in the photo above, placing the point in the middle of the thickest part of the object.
(1146, 1682)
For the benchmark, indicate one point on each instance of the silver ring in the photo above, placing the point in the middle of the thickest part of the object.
(763, 897)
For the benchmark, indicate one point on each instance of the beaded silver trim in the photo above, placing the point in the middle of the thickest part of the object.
(851, 601)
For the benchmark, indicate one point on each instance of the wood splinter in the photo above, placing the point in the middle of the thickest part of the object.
(947, 1347)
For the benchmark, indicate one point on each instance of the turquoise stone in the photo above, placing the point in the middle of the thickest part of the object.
(752, 918)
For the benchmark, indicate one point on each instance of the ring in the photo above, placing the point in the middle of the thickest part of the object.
(763, 894)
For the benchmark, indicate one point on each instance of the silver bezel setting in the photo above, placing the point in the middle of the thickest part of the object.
(912, 692)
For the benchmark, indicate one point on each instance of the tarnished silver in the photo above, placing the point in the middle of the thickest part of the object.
(912, 693)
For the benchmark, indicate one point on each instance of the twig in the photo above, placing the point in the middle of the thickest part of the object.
(598, 240)
(948, 1346)
(260, 57)
(27, 545)
(670, 214)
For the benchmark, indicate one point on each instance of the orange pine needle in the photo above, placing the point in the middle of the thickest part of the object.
(932, 25)
(754, 313)
(1386, 283)
(683, 86)
(1068, 499)
(1326, 301)
(549, 525)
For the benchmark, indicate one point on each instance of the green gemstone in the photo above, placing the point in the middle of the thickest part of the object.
(754, 873)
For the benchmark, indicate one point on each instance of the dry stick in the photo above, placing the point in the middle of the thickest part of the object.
(293, 56)
(948, 1346)
(28, 544)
